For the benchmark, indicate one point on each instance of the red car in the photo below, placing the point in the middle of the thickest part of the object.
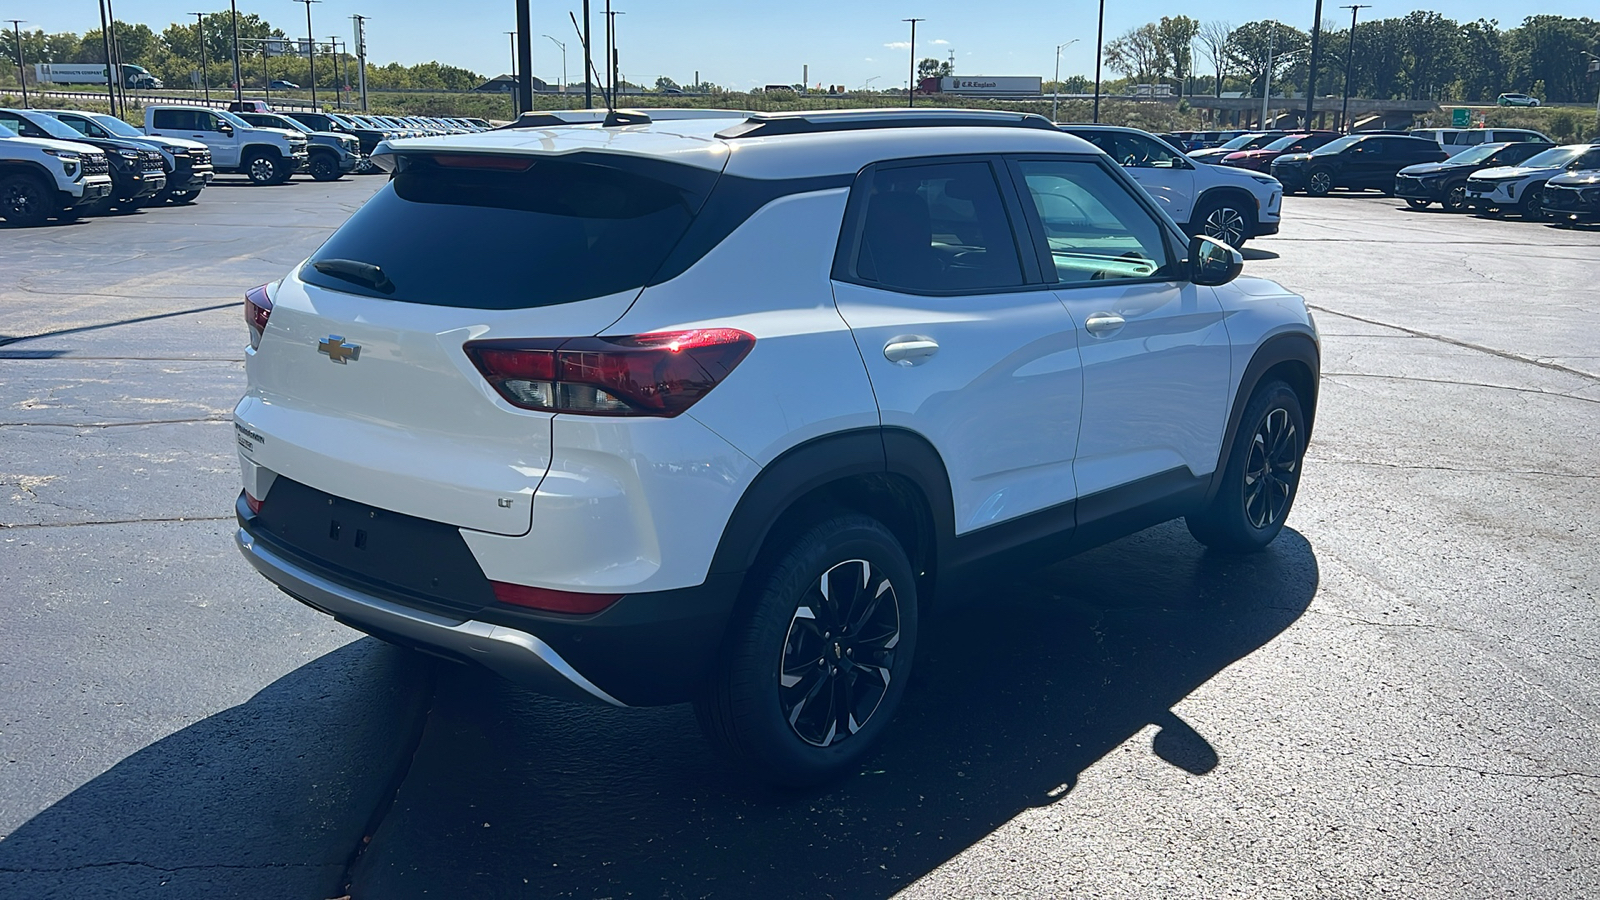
(1261, 158)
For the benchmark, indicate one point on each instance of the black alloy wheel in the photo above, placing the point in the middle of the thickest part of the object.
(1416, 203)
(1455, 199)
(817, 657)
(1319, 183)
(325, 167)
(182, 197)
(838, 656)
(25, 201)
(1532, 206)
(1262, 476)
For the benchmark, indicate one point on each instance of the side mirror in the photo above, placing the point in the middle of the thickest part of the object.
(1213, 263)
(225, 128)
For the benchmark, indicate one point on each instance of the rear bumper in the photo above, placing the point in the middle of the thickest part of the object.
(647, 649)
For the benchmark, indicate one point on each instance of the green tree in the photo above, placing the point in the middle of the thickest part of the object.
(1253, 44)
(933, 68)
(1175, 35)
(1138, 54)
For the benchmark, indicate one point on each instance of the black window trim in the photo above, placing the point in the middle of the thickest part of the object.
(1177, 244)
(848, 248)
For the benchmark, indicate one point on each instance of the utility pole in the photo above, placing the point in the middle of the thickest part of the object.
(1316, 56)
(116, 60)
(238, 80)
(1349, 64)
(338, 88)
(361, 56)
(516, 86)
(205, 72)
(311, 50)
(1099, 50)
(588, 62)
(1266, 86)
(614, 69)
(911, 83)
(1055, 104)
(22, 78)
(563, 65)
(105, 39)
(524, 41)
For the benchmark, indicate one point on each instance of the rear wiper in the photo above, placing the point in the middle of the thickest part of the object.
(356, 271)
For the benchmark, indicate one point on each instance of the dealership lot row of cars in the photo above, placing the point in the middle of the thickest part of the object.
(66, 164)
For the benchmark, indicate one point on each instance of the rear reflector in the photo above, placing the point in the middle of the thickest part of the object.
(257, 309)
(552, 601)
(660, 374)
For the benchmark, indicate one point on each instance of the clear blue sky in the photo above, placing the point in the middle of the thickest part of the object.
(739, 43)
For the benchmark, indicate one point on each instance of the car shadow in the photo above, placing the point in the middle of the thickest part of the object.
(459, 784)
(1016, 694)
(268, 798)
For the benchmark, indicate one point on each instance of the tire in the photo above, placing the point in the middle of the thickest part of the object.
(264, 168)
(325, 167)
(184, 197)
(1415, 203)
(1263, 474)
(760, 706)
(1455, 198)
(1227, 221)
(1532, 205)
(27, 201)
(1319, 182)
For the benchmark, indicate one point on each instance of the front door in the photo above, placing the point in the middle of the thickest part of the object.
(963, 344)
(1155, 352)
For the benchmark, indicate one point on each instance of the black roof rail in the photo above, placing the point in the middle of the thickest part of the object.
(817, 122)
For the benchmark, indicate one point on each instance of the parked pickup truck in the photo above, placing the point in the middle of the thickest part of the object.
(188, 162)
(333, 155)
(264, 155)
(49, 179)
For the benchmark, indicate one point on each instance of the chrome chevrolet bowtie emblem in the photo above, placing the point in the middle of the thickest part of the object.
(338, 351)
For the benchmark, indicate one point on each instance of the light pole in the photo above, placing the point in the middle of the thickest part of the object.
(867, 85)
(238, 80)
(338, 87)
(105, 39)
(1349, 64)
(614, 73)
(205, 72)
(1266, 86)
(1311, 79)
(1594, 66)
(1099, 48)
(16, 29)
(911, 84)
(311, 50)
(563, 64)
(1056, 103)
(515, 102)
(361, 56)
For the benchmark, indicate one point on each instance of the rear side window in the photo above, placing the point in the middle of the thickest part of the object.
(498, 232)
(937, 228)
(176, 119)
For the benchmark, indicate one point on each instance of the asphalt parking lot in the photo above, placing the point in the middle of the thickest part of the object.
(1397, 699)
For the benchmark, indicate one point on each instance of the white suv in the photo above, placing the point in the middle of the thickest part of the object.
(41, 179)
(1232, 205)
(721, 409)
(1521, 187)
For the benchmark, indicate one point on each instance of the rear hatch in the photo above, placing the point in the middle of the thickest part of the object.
(458, 247)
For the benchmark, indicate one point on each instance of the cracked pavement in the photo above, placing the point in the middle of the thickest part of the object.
(1398, 699)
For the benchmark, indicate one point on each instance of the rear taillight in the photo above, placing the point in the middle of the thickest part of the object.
(659, 374)
(257, 307)
(253, 504)
(552, 601)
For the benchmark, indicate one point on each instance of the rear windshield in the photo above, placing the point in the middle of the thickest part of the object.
(449, 231)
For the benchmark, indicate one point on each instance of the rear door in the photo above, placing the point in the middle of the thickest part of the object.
(1156, 355)
(963, 343)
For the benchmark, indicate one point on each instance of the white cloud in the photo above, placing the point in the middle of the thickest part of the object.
(869, 59)
(895, 45)
(941, 41)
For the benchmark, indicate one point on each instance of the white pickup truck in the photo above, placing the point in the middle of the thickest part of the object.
(48, 179)
(264, 155)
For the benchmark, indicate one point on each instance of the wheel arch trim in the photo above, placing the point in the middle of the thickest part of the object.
(1290, 348)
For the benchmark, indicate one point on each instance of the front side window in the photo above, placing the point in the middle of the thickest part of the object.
(1095, 228)
(937, 228)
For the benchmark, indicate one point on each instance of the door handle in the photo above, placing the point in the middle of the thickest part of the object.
(909, 350)
(1104, 324)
